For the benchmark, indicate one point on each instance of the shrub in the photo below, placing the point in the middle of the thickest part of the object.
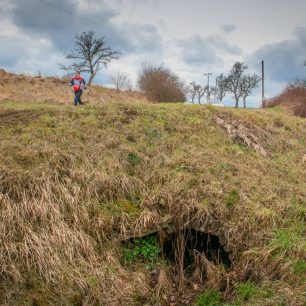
(159, 84)
(293, 98)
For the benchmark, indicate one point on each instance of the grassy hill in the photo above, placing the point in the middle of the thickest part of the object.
(108, 205)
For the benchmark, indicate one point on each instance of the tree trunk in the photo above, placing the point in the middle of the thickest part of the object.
(237, 103)
(92, 76)
(244, 102)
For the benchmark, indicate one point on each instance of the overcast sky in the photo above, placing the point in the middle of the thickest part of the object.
(190, 37)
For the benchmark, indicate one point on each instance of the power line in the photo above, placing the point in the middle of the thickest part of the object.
(79, 16)
(92, 21)
(102, 25)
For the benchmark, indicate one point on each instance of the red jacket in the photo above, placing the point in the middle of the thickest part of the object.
(77, 83)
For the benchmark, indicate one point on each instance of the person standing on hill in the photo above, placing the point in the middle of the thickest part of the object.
(79, 85)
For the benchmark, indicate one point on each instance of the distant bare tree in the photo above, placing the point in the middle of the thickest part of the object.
(221, 88)
(201, 90)
(120, 80)
(234, 81)
(192, 90)
(91, 54)
(247, 85)
(196, 90)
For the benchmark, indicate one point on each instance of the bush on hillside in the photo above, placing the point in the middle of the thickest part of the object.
(293, 98)
(159, 84)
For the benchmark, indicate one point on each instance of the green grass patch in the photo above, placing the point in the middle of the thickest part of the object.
(133, 159)
(232, 198)
(300, 267)
(144, 250)
(211, 298)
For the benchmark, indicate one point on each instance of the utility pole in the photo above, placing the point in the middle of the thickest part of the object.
(263, 82)
(208, 88)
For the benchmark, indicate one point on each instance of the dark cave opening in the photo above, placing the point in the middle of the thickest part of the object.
(195, 241)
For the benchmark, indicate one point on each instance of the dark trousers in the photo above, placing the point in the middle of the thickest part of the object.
(77, 97)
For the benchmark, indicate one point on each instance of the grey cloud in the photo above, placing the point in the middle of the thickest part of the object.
(221, 44)
(284, 60)
(228, 28)
(144, 37)
(198, 50)
(40, 19)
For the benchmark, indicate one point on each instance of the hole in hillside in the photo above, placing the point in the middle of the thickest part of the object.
(179, 249)
(190, 241)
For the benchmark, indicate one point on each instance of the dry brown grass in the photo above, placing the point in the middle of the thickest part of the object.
(21, 88)
(72, 181)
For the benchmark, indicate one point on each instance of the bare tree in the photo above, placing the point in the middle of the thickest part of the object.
(196, 90)
(120, 80)
(247, 85)
(234, 81)
(192, 90)
(221, 88)
(90, 54)
(201, 90)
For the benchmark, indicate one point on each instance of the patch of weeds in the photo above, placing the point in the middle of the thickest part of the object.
(300, 267)
(48, 120)
(26, 138)
(235, 148)
(90, 120)
(144, 249)
(232, 198)
(93, 282)
(289, 239)
(223, 168)
(211, 298)
(119, 207)
(182, 167)
(128, 207)
(278, 122)
(246, 291)
(193, 182)
(133, 159)
(153, 133)
(42, 131)
(18, 129)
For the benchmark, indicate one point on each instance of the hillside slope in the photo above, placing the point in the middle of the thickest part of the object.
(78, 185)
(22, 88)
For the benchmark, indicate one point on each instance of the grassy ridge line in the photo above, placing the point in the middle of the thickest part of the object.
(72, 179)
(23, 88)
